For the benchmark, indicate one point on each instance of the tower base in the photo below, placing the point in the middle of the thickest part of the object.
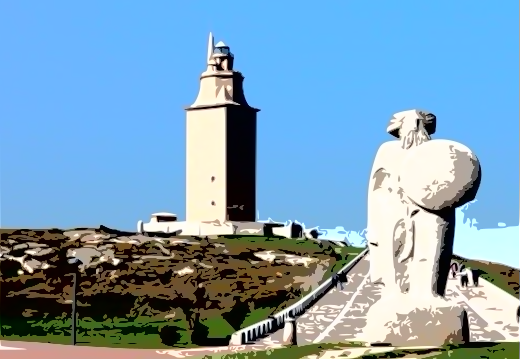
(216, 228)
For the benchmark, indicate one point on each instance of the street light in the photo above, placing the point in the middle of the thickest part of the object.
(74, 263)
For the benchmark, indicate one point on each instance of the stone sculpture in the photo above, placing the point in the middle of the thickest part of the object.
(386, 204)
(415, 185)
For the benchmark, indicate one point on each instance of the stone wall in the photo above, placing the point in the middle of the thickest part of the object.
(293, 230)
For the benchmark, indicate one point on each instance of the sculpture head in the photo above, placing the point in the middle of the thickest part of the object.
(412, 127)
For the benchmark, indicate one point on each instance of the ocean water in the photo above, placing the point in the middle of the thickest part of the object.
(500, 244)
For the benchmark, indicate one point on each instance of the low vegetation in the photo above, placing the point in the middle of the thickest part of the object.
(137, 291)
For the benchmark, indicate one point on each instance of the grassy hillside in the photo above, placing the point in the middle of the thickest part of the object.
(152, 292)
(504, 277)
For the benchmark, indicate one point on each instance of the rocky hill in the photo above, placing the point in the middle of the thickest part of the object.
(184, 290)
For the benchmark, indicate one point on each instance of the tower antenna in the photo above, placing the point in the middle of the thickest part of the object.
(211, 47)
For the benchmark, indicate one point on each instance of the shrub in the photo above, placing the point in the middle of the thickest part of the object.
(175, 333)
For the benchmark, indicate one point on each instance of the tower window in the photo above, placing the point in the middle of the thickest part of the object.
(212, 178)
(212, 203)
(221, 50)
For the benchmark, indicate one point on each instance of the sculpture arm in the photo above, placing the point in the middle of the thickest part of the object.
(409, 241)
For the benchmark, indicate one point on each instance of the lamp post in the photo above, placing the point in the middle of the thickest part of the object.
(74, 263)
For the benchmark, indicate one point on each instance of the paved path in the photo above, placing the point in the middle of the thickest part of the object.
(19, 349)
(4, 347)
(322, 316)
(496, 310)
(340, 315)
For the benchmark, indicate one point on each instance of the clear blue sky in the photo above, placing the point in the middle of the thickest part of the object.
(92, 96)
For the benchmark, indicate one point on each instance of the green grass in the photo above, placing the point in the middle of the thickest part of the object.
(279, 243)
(256, 316)
(110, 333)
(471, 351)
(291, 352)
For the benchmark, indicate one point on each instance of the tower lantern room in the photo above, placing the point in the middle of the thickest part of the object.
(223, 57)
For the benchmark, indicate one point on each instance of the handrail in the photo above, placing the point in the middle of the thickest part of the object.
(268, 326)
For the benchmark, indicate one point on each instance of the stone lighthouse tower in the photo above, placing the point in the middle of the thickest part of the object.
(220, 145)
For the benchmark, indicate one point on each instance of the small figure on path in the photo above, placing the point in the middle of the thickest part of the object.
(476, 275)
(337, 281)
(454, 268)
(343, 277)
(464, 276)
(464, 280)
